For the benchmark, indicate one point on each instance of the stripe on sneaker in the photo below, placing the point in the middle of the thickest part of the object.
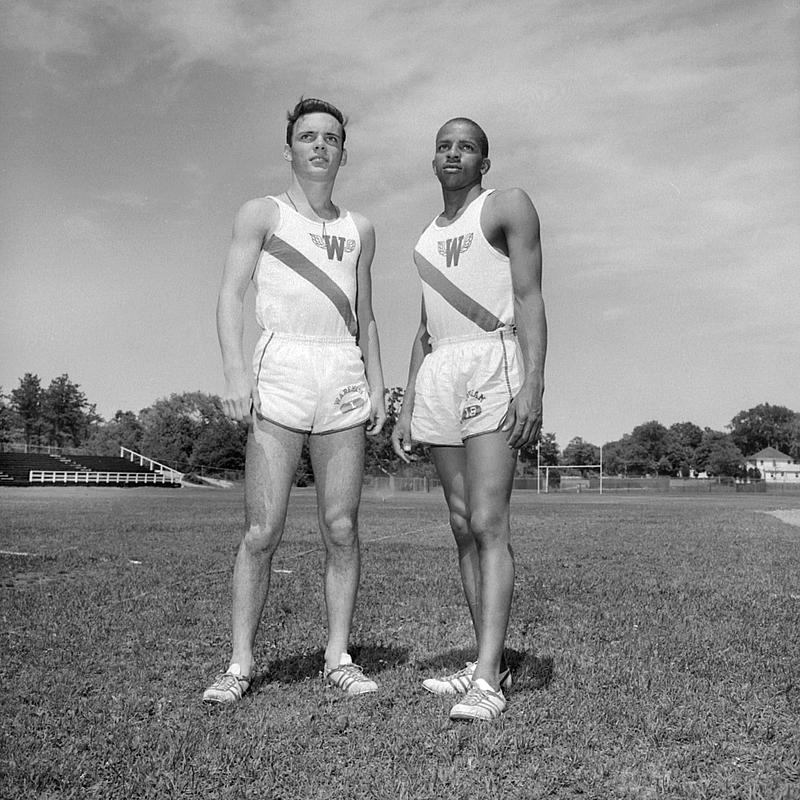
(481, 702)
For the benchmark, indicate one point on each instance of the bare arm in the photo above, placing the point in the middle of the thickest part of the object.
(368, 339)
(401, 435)
(515, 214)
(254, 221)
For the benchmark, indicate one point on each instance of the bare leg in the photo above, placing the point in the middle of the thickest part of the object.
(451, 467)
(489, 479)
(338, 461)
(477, 481)
(272, 457)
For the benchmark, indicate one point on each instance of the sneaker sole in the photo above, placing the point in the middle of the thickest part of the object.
(467, 717)
(221, 701)
(448, 690)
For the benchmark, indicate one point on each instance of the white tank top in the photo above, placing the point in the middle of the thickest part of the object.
(305, 277)
(466, 283)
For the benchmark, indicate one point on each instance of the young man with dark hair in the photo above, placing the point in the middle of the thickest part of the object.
(475, 387)
(315, 376)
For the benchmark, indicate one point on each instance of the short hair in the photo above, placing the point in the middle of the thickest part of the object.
(483, 139)
(312, 105)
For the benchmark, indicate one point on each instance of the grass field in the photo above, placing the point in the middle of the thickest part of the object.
(654, 642)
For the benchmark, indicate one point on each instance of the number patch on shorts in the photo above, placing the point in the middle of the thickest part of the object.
(350, 398)
(470, 412)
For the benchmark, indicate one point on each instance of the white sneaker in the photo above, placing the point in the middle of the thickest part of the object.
(480, 702)
(349, 677)
(228, 687)
(459, 682)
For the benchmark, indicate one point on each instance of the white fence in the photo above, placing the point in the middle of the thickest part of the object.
(172, 475)
(88, 477)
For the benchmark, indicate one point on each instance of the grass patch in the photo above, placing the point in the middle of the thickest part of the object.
(654, 642)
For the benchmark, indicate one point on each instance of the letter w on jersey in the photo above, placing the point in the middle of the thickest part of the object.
(296, 261)
(460, 301)
(336, 246)
(452, 249)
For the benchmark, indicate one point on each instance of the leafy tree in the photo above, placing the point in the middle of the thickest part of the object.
(221, 444)
(124, 430)
(794, 438)
(684, 438)
(547, 455)
(677, 458)
(580, 452)
(189, 431)
(549, 451)
(172, 426)
(26, 400)
(726, 459)
(687, 434)
(647, 449)
(615, 457)
(379, 456)
(640, 460)
(544, 452)
(8, 419)
(718, 455)
(66, 412)
(766, 425)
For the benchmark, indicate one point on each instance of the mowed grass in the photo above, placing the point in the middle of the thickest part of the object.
(654, 642)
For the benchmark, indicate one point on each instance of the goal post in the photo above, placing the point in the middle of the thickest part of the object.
(548, 467)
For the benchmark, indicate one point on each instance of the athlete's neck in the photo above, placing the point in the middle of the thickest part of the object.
(456, 201)
(312, 200)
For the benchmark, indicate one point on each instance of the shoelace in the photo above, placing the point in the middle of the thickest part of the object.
(227, 680)
(352, 670)
(475, 695)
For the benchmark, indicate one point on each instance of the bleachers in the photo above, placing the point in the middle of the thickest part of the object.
(17, 466)
(29, 469)
(109, 464)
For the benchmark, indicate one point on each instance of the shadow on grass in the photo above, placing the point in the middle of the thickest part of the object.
(296, 668)
(529, 671)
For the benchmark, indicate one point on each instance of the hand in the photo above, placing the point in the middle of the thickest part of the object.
(241, 398)
(401, 438)
(523, 420)
(377, 415)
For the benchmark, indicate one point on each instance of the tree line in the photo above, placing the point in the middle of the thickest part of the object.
(189, 432)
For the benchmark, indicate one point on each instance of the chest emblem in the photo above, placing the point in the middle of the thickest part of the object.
(452, 249)
(335, 245)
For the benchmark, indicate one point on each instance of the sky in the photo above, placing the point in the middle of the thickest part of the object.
(658, 141)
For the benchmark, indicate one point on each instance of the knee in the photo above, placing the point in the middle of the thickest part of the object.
(460, 527)
(489, 526)
(341, 532)
(260, 539)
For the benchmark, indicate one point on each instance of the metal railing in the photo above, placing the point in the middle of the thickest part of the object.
(172, 474)
(88, 477)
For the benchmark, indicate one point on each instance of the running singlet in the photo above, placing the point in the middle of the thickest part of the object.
(305, 277)
(466, 283)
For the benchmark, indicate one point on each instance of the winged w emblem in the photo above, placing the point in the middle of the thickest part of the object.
(335, 245)
(452, 249)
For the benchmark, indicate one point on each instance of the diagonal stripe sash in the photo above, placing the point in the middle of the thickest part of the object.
(307, 269)
(460, 301)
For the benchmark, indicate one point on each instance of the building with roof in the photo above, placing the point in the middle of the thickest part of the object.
(774, 466)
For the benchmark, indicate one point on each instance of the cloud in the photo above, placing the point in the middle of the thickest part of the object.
(44, 30)
(124, 198)
(197, 189)
(83, 228)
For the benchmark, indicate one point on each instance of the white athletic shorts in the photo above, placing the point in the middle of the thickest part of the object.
(311, 384)
(464, 386)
